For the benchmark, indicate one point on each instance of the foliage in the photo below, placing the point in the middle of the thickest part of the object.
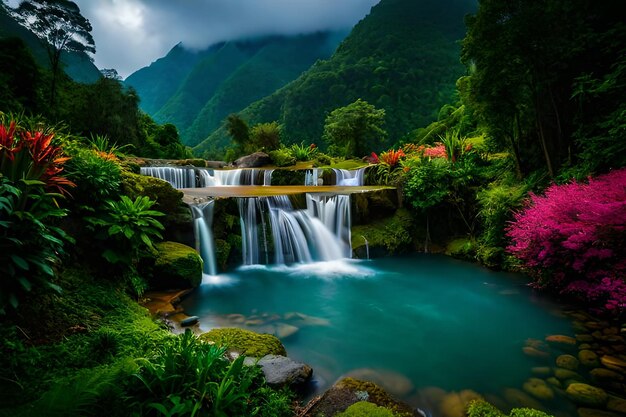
(572, 238)
(97, 178)
(30, 244)
(455, 145)
(303, 152)
(365, 409)
(265, 137)
(186, 376)
(238, 130)
(282, 157)
(388, 162)
(393, 234)
(20, 78)
(129, 229)
(353, 129)
(424, 182)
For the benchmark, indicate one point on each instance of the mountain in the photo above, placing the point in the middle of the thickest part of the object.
(402, 57)
(77, 65)
(196, 90)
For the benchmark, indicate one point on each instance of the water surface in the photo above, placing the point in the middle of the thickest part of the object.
(413, 322)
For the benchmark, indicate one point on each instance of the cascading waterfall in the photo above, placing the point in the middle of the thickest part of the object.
(178, 177)
(212, 178)
(319, 233)
(203, 230)
(350, 177)
(311, 177)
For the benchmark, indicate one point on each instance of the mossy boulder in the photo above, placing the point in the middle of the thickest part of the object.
(365, 409)
(196, 162)
(222, 252)
(463, 248)
(176, 266)
(567, 362)
(374, 205)
(168, 199)
(349, 391)
(246, 342)
(383, 237)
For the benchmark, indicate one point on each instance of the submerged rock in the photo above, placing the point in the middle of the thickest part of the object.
(588, 358)
(567, 362)
(534, 352)
(518, 398)
(455, 404)
(585, 394)
(592, 412)
(392, 382)
(538, 388)
(561, 340)
(613, 362)
(283, 330)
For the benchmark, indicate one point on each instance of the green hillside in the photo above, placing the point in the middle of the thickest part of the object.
(155, 84)
(77, 65)
(196, 90)
(403, 57)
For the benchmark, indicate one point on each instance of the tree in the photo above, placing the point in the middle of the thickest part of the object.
(265, 136)
(238, 130)
(355, 130)
(59, 26)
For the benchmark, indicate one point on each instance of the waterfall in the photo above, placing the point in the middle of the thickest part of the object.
(319, 233)
(311, 177)
(349, 177)
(203, 230)
(178, 177)
(221, 177)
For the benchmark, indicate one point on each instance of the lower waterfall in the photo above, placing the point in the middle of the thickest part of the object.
(203, 230)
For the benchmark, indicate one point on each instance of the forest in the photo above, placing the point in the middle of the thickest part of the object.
(503, 136)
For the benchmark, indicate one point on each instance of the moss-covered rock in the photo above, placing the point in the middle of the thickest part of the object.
(464, 248)
(168, 199)
(246, 342)
(585, 394)
(365, 409)
(376, 395)
(222, 252)
(384, 237)
(176, 266)
(196, 162)
(374, 205)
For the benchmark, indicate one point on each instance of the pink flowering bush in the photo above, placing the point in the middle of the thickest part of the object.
(573, 239)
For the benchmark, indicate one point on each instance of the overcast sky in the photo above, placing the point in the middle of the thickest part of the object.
(130, 34)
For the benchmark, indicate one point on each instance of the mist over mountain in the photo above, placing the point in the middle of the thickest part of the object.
(196, 90)
(402, 57)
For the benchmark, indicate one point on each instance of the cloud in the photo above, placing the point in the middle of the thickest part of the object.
(130, 34)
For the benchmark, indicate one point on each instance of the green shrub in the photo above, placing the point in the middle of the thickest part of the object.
(303, 152)
(481, 408)
(365, 409)
(96, 178)
(282, 157)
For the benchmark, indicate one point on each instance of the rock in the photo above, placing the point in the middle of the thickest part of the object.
(603, 374)
(534, 352)
(614, 339)
(255, 160)
(592, 412)
(584, 394)
(554, 382)
(392, 382)
(349, 391)
(518, 398)
(384, 236)
(567, 362)
(254, 322)
(613, 362)
(616, 404)
(564, 374)
(189, 321)
(538, 389)
(283, 331)
(365, 408)
(236, 318)
(281, 371)
(455, 404)
(584, 337)
(541, 370)
(584, 346)
(536, 343)
(302, 319)
(176, 266)
(215, 164)
(588, 358)
(561, 340)
(610, 331)
(246, 342)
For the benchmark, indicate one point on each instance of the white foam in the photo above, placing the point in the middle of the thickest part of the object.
(221, 280)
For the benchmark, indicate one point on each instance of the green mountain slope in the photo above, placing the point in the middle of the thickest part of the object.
(403, 57)
(77, 65)
(157, 83)
(196, 90)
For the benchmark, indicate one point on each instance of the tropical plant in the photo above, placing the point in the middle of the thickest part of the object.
(572, 239)
(282, 157)
(187, 376)
(454, 144)
(98, 178)
(30, 246)
(105, 148)
(131, 226)
(303, 152)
